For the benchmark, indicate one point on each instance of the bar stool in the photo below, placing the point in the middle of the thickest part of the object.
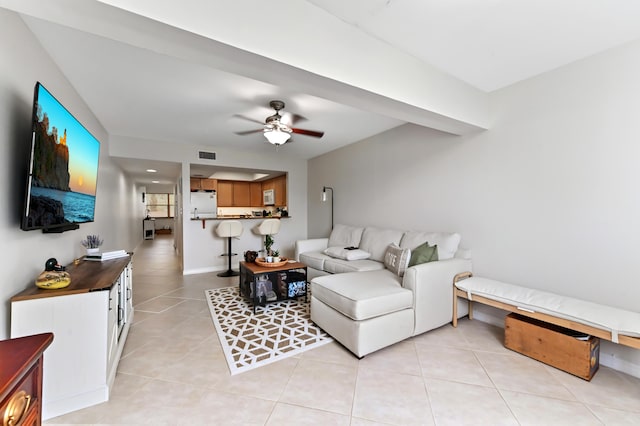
(229, 229)
(267, 227)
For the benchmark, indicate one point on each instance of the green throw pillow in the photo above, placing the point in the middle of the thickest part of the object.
(423, 253)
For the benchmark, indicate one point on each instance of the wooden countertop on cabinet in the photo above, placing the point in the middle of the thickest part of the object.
(21, 379)
(86, 276)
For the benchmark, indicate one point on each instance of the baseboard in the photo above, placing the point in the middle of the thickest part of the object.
(611, 355)
(209, 269)
(51, 409)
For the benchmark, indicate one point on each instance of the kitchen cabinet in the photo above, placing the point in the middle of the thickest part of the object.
(194, 183)
(225, 193)
(199, 184)
(241, 194)
(235, 194)
(249, 194)
(255, 189)
(90, 320)
(279, 186)
(209, 184)
(280, 190)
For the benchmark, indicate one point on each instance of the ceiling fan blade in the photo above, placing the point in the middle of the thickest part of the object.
(248, 132)
(311, 133)
(248, 118)
(295, 118)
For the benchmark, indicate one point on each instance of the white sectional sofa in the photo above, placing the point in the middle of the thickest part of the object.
(368, 304)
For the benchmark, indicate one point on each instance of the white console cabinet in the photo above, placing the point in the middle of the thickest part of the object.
(90, 320)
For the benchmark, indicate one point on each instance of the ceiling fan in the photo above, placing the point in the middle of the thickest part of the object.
(277, 132)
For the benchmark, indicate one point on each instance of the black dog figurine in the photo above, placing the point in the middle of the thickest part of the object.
(250, 256)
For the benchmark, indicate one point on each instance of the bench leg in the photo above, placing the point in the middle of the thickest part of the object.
(470, 310)
(454, 320)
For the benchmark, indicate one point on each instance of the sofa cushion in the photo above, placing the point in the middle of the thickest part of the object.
(423, 254)
(345, 236)
(447, 242)
(343, 253)
(376, 240)
(339, 266)
(314, 259)
(396, 259)
(363, 295)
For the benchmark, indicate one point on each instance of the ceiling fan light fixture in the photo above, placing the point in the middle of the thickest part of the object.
(276, 136)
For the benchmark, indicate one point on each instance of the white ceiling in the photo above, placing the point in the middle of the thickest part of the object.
(489, 44)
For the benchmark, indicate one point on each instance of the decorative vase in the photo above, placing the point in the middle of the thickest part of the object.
(269, 259)
(93, 251)
(276, 259)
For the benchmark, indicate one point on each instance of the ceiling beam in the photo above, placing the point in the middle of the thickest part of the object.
(281, 46)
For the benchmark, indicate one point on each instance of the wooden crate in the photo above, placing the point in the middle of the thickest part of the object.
(553, 345)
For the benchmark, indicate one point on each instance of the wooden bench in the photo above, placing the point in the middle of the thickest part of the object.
(608, 323)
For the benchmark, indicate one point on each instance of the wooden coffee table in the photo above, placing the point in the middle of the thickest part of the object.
(263, 284)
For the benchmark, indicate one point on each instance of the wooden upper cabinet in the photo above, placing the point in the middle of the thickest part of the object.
(225, 193)
(279, 186)
(241, 194)
(199, 184)
(233, 193)
(280, 190)
(194, 183)
(255, 188)
(209, 184)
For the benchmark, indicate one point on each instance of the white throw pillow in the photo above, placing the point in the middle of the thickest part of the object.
(343, 253)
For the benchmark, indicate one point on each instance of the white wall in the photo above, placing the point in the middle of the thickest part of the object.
(548, 198)
(23, 62)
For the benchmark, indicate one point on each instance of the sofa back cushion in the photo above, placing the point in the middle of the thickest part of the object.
(376, 241)
(447, 242)
(345, 236)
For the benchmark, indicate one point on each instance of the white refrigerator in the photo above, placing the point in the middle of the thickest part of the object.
(204, 205)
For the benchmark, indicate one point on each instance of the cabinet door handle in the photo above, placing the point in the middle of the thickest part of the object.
(16, 408)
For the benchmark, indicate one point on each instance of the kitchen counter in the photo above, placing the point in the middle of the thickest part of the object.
(236, 217)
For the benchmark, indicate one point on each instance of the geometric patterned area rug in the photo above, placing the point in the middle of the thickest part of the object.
(276, 331)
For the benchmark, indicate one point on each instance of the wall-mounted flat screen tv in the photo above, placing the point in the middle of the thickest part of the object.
(63, 168)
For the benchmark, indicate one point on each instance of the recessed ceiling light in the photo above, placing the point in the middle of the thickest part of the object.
(155, 181)
(152, 170)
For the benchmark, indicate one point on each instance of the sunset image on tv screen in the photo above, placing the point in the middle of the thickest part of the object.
(64, 166)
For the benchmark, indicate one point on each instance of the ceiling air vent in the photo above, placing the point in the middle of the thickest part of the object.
(207, 155)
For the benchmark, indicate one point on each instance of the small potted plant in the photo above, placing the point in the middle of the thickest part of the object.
(92, 243)
(268, 242)
(276, 256)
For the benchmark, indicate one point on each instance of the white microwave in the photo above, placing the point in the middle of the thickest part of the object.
(268, 198)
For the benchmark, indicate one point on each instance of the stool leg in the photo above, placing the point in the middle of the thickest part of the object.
(229, 272)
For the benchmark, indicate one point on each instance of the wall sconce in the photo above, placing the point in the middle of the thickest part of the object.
(324, 198)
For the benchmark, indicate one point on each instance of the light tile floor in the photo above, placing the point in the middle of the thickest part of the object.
(173, 372)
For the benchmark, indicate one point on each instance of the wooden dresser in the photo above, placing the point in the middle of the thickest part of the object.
(21, 379)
